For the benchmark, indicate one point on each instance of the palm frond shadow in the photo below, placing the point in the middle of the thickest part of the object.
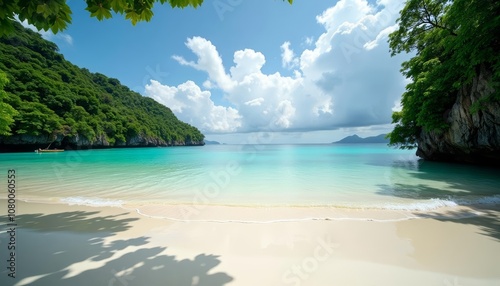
(72, 248)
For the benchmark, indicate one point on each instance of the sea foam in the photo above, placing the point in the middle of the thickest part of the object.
(92, 202)
(436, 203)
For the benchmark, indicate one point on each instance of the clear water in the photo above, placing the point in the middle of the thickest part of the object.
(346, 176)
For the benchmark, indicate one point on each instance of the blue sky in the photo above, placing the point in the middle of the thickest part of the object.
(254, 71)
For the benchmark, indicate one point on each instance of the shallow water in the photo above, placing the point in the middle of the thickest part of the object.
(347, 176)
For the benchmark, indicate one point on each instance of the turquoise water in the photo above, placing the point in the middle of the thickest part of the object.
(347, 176)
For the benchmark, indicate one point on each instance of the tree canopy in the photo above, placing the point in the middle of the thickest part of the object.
(44, 94)
(56, 14)
(451, 40)
(7, 112)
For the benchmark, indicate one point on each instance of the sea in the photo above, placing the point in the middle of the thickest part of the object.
(350, 176)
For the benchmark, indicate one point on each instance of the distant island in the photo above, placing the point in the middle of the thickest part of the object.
(356, 139)
(208, 142)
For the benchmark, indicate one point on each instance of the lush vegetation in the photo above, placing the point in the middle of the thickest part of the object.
(56, 14)
(50, 96)
(6, 111)
(452, 40)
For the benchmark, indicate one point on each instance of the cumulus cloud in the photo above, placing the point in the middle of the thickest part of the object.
(247, 62)
(382, 36)
(194, 106)
(346, 79)
(209, 60)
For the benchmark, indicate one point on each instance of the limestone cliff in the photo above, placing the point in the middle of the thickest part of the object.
(473, 137)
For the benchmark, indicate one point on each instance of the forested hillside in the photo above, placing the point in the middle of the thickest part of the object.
(59, 102)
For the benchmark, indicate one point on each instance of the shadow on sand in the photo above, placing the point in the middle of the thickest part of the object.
(70, 248)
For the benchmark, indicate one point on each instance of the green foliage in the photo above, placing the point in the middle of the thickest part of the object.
(56, 14)
(46, 95)
(7, 113)
(451, 45)
(36, 119)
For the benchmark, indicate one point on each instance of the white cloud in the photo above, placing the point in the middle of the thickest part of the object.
(397, 106)
(67, 38)
(288, 59)
(255, 102)
(309, 41)
(347, 79)
(209, 60)
(285, 112)
(247, 62)
(194, 106)
(383, 35)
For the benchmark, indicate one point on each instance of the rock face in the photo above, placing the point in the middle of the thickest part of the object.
(473, 137)
(30, 142)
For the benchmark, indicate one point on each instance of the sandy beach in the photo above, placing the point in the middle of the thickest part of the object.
(59, 244)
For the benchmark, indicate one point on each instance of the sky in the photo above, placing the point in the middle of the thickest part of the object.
(254, 71)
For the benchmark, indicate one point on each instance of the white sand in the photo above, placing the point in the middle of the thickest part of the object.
(77, 245)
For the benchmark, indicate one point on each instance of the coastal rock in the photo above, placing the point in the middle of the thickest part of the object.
(25, 139)
(473, 137)
(30, 142)
(138, 141)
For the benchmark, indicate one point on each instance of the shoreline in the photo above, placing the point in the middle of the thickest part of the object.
(80, 245)
(248, 214)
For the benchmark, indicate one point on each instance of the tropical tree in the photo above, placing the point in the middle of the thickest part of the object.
(451, 40)
(7, 112)
(56, 14)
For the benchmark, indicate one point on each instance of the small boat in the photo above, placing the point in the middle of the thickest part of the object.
(47, 150)
(40, 150)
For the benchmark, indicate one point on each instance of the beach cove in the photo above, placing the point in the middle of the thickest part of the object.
(249, 215)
